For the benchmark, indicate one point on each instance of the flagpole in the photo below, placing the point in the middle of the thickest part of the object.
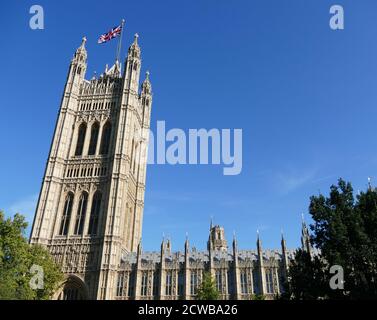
(119, 46)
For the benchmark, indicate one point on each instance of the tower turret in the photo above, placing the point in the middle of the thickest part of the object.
(234, 244)
(77, 68)
(187, 246)
(146, 87)
(146, 100)
(216, 240)
(305, 237)
(90, 190)
(132, 69)
(162, 269)
(236, 270)
(262, 282)
(187, 269)
(138, 268)
(284, 255)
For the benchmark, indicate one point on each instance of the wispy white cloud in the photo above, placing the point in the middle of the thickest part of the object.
(263, 227)
(325, 178)
(291, 180)
(25, 206)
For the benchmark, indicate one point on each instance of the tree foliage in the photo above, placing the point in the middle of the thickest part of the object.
(207, 289)
(16, 260)
(345, 233)
(307, 278)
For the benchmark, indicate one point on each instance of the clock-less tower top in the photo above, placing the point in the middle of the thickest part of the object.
(90, 208)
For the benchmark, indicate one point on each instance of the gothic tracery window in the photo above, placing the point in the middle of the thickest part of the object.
(256, 281)
(194, 282)
(81, 211)
(181, 282)
(66, 217)
(120, 284)
(168, 285)
(269, 280)
(243, 275)
(144, 284)
(93, 139)
(94, 213)
(73, 290)
(219, 282)
(155, 283)
(105, 141)
(80, 140)
(131, 284)
(230, 279)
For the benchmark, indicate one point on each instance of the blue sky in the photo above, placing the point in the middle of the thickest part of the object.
(304, 95)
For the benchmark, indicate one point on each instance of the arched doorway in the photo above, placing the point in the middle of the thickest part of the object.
(73, 289)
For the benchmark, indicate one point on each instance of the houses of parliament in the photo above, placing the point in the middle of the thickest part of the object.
(90, 208)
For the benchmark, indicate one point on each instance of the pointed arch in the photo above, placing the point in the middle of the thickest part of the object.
(105, 140)
(93, 138)
(66, 216)
(94, 213)
(73, 288)
(81, 212)
(80, 139)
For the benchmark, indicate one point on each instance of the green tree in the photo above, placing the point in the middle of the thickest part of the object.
(345, 234)
(16, 260)
(257, 297)
(207, 289)
(307, 278)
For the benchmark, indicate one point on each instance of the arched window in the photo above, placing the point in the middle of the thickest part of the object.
(105, 141)
(93, 139)
(66, 217)
(80, 140)
(94, 214)
(81, 211)
(70, 294)
(73, 289)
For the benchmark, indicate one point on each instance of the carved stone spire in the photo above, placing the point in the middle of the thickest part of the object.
(234, 244)
(134, 49)
(305, 237)
(146, 87)
(81, 54)
(133, 64)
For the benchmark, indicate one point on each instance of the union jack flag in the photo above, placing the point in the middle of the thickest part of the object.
(114, 32)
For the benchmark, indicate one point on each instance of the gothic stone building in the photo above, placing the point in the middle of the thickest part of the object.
(238, 274)
(90, 209)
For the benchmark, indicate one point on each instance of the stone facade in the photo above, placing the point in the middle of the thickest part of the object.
(238, 274)
(90, 209)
